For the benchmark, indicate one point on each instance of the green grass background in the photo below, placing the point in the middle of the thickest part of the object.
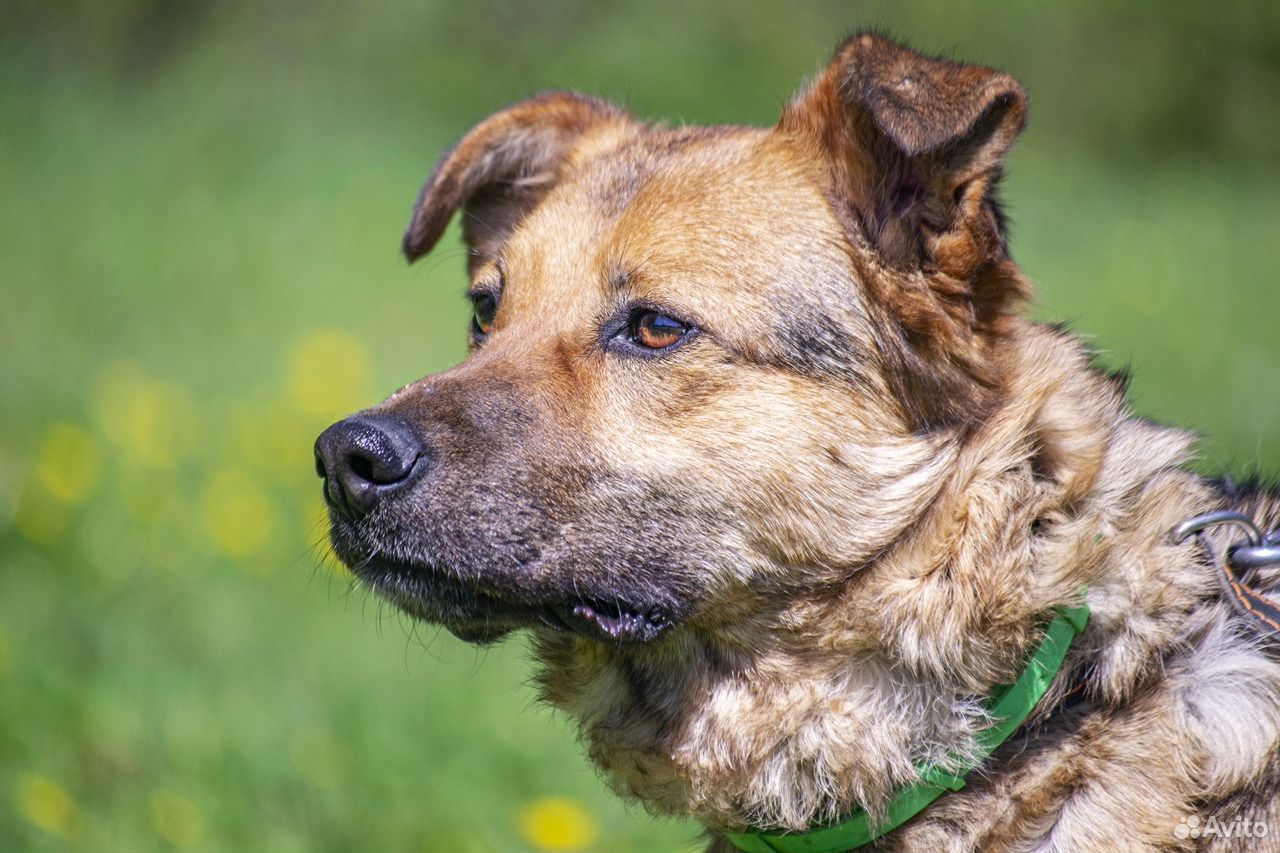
(199, 270)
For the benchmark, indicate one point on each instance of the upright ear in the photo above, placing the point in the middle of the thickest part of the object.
(502, 168)
(915, 145)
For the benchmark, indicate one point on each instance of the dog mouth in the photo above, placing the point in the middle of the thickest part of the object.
(479, 612)
(617, 622)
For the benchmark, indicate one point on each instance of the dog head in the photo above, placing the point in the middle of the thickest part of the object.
(709, 367)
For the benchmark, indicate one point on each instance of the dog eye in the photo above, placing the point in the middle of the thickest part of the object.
(483, 309)
(652, 330)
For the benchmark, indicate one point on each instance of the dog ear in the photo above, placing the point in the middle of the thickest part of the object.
(914, 146)
(917, 144)
(502, 168)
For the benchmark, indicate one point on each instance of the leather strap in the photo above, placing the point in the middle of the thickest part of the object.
(1257, 609)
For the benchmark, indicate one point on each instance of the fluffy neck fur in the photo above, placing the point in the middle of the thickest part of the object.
(814, 706)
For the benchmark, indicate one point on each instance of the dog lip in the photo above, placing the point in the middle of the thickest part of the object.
(429, 593)
(620, 623)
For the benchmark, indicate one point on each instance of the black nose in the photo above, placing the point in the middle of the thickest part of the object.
(364, 459)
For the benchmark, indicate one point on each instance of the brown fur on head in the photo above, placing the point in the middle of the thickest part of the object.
(914, 147)
(774, 565)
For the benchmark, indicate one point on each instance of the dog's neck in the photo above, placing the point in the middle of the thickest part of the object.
(814, 704)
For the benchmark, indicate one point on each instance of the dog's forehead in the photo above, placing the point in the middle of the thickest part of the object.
(685, 216)
(730, 190)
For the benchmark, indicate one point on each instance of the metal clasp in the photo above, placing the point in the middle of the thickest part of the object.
(1261, 550)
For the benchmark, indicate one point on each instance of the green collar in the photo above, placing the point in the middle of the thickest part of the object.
(1009, 706)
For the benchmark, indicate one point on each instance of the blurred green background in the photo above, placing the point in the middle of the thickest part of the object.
(199, 270)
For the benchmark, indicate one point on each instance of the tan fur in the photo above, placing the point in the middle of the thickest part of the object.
(866, 480)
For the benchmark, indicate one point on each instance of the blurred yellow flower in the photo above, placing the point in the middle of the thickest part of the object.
(240, 515)
(557, 823)
(39, 516)
(46, 804)
(68, 462)
(176, 819)
(328, 374)
(153, 422)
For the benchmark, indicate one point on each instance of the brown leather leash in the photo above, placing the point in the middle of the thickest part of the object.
(1238, 563)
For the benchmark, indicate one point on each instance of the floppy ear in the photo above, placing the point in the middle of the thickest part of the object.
(914, 146)
(502, 168)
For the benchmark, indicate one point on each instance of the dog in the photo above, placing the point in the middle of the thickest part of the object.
(755, 442)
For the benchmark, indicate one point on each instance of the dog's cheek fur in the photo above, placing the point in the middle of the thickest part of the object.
(673, 725)
(841, 462)
(819, 479)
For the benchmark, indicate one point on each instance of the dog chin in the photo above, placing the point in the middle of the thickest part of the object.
(479, 634)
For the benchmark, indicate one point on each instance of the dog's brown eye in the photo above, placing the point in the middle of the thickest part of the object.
(656, 331)
(484, 307)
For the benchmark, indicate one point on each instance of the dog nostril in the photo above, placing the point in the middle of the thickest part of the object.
(320, 472)
(362, 467)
